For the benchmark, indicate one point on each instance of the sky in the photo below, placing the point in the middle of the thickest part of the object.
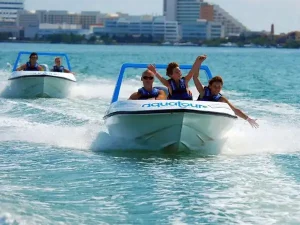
(256, 15)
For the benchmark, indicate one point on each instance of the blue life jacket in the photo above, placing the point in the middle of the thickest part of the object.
(146, 94)
(208, 96)
(58, 69)
(30, 68)
(179, 93)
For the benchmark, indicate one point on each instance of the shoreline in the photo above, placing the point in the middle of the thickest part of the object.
(146, 44)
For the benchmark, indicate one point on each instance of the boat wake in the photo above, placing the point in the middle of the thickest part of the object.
(278, 133)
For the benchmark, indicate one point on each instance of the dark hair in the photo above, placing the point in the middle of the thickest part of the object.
(216, 79)
(33, 54)
(171, 67)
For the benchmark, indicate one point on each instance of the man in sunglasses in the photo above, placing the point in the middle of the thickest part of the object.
(148, 92)
(32, 65)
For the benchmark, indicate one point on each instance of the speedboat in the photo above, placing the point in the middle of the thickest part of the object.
(169, 125)
(33, 84)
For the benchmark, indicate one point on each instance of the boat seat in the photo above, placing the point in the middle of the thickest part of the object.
(45, 67)
(164, 89)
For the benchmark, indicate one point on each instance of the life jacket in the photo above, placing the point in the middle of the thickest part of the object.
(146, 94)
(208, 96)
(58, 69)
(179, 93)
(30, 68)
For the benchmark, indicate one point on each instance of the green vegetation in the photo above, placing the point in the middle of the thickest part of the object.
(62, 38)
(258, 40)
(285, 41)
(5, 36)
(103, 39)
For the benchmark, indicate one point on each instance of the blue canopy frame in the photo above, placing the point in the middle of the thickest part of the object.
(144, 65)
(42, 53)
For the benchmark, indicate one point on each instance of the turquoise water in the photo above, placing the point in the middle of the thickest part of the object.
(50, 173)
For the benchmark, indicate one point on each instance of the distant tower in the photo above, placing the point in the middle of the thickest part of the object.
(272, 32)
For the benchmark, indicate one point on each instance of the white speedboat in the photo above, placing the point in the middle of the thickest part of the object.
(32, 84)
(169, 125)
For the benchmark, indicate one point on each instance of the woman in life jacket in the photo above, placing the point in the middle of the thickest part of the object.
(58, 67)
(148, 91)
(177, 84)
(212, 93)
(32, 64)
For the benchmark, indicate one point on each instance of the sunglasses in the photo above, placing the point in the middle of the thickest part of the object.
(148, 78)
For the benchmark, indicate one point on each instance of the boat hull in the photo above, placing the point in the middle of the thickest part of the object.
(173, 129)
(40, 86)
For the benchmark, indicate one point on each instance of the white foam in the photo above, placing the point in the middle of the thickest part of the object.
(18, 129)
(66, 110)
(279, 122)
(270, 137)
(18, 217)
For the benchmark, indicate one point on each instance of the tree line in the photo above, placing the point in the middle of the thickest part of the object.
(70, 38)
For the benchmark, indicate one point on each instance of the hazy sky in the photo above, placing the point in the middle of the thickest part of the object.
(254, 14)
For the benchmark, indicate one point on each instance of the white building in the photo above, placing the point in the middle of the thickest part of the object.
(215, 30)
(29, 21)
(157, 27)
(182, 11)
(85, 18)
(232, 26)
(9, 10)
(187, 14)
(49, 29)
(170, 10)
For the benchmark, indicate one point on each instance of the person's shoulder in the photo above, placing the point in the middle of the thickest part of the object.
(160, 91)
(134, 96)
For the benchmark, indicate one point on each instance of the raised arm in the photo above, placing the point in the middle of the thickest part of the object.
(239, 113)
(159, 77)
(198, 84)
(195, 68)
(196, 79)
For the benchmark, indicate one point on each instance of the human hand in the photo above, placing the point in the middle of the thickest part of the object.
(201, 58)
(252, 122)
(152, 68)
